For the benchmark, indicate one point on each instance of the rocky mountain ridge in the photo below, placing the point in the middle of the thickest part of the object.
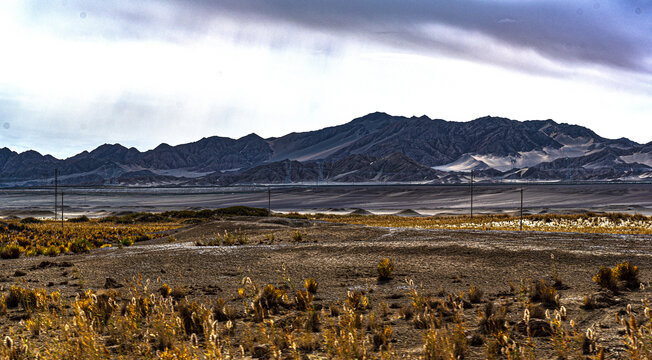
(374, 148)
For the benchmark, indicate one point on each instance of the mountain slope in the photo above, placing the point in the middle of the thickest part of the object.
(376, 147)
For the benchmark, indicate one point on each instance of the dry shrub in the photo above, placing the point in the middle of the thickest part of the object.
(311, 285)
(222, 311)
(445, 344)
(165, 290)
(303, 300)
(385, 269)
(539, 291)
(357, 300)
(297, 236)
(11, 251)
(475, 294)
(491, 321)
(628, 273)
(192, 315)
(179, 292)
(381, 337)
(536, 311)
(605, 278)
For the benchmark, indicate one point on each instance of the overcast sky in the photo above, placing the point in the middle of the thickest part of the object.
(77, 74)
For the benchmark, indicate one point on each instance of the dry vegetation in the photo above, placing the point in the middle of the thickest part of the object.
(49, 238)
(290, 318)
(148, 319)
(616, 223)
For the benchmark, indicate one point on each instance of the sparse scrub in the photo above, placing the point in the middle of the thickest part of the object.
(297, 236)
(385, 268)
(445, 344)
(79, 219)
(605, 278)
(475, 294)
(11, 251)
(46, 237)
(310, 285)
(628, 273)
(589, 223)
(539, 291)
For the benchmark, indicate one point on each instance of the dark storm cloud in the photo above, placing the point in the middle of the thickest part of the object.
(610, 33)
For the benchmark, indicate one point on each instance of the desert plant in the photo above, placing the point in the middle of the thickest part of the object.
(381, 337)
(491, 321)
(303, 300)
(31, 220)
(165, 290)
(271, 238)
(311, 285)
(357, 300)
(445, 344)
(79, 219)
(539, 291)
(475, 294)
(11, 251)
(222, 311)
(297, 236)
(628, 273)
(385, 268)
(51, 251)
(80, 246)
(127, 242)
(605, 278)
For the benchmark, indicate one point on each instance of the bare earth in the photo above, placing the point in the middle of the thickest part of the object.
(344, 257)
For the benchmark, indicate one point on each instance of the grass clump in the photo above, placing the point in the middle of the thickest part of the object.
(31, 220)
(385, 269)
(624, 272)
(475, 294)
(80, 246)
(311, 285)
(445, 344)
(605, 278)
(51, 251)
(79, 219)
(297, 236)
(628, 273)
(547, 295)
(11, 251)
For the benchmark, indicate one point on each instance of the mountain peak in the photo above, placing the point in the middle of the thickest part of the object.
(252, 136)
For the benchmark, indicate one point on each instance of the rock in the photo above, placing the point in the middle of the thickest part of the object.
(20, 273)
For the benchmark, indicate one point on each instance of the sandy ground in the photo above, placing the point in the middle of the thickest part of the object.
(426, 200)
(344, 257)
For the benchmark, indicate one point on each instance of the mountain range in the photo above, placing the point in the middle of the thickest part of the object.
(376, 148)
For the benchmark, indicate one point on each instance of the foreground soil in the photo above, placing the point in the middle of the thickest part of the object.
(343, 258)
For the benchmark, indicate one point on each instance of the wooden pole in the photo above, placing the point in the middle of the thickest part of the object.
(471, 193)
(62, 212)
(521, 226)
(55, 193)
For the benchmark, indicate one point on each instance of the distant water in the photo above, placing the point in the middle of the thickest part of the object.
(424, 199)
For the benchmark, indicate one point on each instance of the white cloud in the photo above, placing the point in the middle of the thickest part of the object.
(63, 94)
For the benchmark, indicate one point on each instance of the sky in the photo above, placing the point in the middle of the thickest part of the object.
(78, 74)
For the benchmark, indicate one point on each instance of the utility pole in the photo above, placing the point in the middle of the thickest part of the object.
(62, 212)
(521, 226)
(471, 193)
(269, 201)
(56, 171)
